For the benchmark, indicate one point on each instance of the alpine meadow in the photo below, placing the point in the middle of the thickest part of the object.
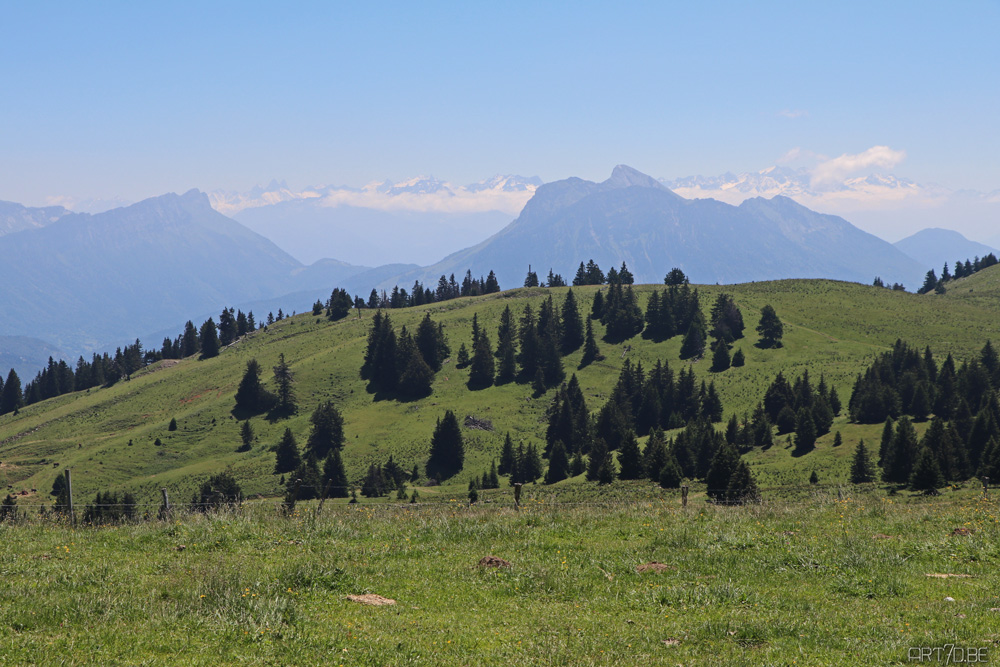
(508, 334)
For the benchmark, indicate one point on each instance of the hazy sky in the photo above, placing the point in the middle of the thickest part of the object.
(134, 99)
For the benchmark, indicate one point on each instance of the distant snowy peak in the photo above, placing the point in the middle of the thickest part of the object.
(796, 184)
(506, 193)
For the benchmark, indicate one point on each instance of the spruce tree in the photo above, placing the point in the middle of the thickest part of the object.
(189, 340)
(481, 369)
(327, 430)
(897, 465)
(742, 487)
(506, 368)
(530, 465)
(558, 464)
(629, 458)
(805, 430)
(209, 339)
(598, 454)
(283, 378)
(720, 358)
(577, 465)
(670, 476)
(723, 465)
(287, 456)
(862, 470)
(738, 358)
(597, 307)
(251, 396)
(447, 455)
(417, 378)
(590, 350)
(571, 325)
(926, 474)
(12, 398)
(463, 357)
(694, 340)
(838, 440)
(246, 437)
(770, 328)
(507, 456)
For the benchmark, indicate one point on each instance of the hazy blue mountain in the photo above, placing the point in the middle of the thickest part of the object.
(15, 217)
(25, 355)
(632, 217)
(85, 281)
(309, 230)
(934, 246)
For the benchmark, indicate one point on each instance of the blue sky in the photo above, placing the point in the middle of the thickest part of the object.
(135, 99)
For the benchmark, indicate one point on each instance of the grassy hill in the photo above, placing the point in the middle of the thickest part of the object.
(107, 435)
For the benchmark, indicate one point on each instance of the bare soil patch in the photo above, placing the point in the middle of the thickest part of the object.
(371, 599)
(653, 566)
(493, 561)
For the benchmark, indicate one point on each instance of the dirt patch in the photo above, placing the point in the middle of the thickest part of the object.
(788, 533)
(493, 561)
(653, 566)
(472, 422)
(962, 532)
(949, 576)
(671, 642)
(371, 599)
(881, 536)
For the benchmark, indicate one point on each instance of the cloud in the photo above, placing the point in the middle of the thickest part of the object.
(793, 113)
(802, 157)
(836, 170)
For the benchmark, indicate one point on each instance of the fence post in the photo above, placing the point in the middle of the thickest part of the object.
(165, 510)
(684, 495)
(326, 492)
(69, 494)
(517, 496)
(290, 500)
(986, 488)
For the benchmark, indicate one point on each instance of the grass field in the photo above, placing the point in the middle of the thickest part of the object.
(817, 581)
(831, 328)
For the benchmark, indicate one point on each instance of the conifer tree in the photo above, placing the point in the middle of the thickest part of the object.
(507, 456)
(738, 358)
(629, 458)
(189, 340)
(447, 455)
(576, 465)
(898, 462)
(693, 345)
(287, 456)
(926, 474)
(417, 377)
(742, 487)
(837, 439)
(805, 430)
(558, 464)
(209, 339)
(590, 350)
(720, 358)
(862, 470)
(598, 454)
(506, 369)
(597, 306)
(481, 369)
(571, 325)
(12, 398)
(327, 430)
(654, 455)
(251, 396)
(463, 357)
(284, 378)
(246, 436)
(770, 328)
(670, 476)
(723, 465)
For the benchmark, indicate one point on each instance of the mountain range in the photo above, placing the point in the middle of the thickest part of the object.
(934, 247)
(77, 282)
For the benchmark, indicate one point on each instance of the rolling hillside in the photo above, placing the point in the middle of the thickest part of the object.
(832, 328)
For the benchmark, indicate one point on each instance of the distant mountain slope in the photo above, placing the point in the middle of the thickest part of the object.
(25, 355)
(85, 280)
(933, 247)
(633, 218)
(310, 230)
(15, 218)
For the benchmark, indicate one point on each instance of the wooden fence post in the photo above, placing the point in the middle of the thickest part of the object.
(986, 488)
(326, 492)
(165, 510)
(517, 496)
(290, 500)
(684, 495)
(69, 494)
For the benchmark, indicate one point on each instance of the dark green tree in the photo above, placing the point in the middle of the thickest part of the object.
(591, 352)
(926, 474)
(571, 325)
(189, 340)
(334, 475)
(327, 431)
(693, 345)
(447, 455)
(481, 369)
(805, 430)
(12, 398)
(742, 487)
(720, 358)
(172, 426)
(246, 437)
(251, 396)
(218, 491)
(209, 339)
(629, 458)
(507, 455)
(558, 464)
(738, 359)
(862, 470)
(286, 456)
(284, 378)
(770, 328)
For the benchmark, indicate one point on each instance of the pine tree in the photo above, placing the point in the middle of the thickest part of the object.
(251, 396)
(481, 369)
(723, 465)
(742, 487)
(597, 306)
(897, 465)
(926, 474)
(571, 325)
(374, 485)
(558, 464)
(447, 455)
(463, 357)
(189, 340)
(862, 470)
(12, 398)
(670, 476)
(629, 459)
(598, 453)
(530, 464)
(209, 339)
(770, 328)
(576, 465)
(814, 478)
(246, 437)
(531, 280)
(805, 430)
(720, 358)
(327, 430)
(694, 340)
(738, 358)
(837, 439)
(507, 456)
(417, 378)
(506, 354)
(287, 456)
(590, 350)
(172, 426)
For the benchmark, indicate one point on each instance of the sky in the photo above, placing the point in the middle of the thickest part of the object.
(129, 100)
